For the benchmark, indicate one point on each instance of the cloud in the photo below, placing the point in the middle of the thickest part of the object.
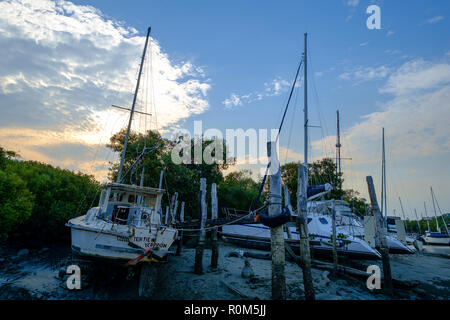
(390, 33)
(273, 88)
(417, 75)
(363, 74)
(63, 65)
(434, 20)
(416, 122)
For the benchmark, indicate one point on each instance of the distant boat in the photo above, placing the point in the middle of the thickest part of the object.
(392, 230)
(126, 224)
(438, 237)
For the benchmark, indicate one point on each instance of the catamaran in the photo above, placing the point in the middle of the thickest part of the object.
(126, 224)
(348, 223)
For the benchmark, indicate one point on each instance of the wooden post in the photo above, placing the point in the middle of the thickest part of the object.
(180, 235)
(161, 176)
(214, 216)
(202, 234)
(335, 257)
(381, 236)
(175, 207)
(277, 233)
(167, 215)
(287, 203)
(302, 225)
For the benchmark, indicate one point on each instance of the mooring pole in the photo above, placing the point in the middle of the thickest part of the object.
(167, 215)
(287, 203)
(276, 233)
(214, 216)
(381, 235)
(202, 232)
(180, 235)
(161, 176)
(175, 207)
(302, 227)
(335, 257)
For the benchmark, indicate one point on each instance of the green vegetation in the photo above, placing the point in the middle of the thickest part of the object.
(36, 199)
(411, 225)
(321, 172)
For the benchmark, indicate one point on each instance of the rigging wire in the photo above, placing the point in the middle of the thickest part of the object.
(278, 134)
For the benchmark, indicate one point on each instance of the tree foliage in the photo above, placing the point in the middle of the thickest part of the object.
(183, 178)
(321, 172)
(36, 199)
(239, 190)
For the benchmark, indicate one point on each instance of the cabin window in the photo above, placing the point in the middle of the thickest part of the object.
(131, 198)
(323, 220)
(309, 220)
(120, 214)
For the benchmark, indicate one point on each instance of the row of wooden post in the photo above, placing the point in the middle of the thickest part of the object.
(277, 233)
(198, 267)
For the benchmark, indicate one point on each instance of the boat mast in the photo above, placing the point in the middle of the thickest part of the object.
(418, 223)
(383, 180)
(403, 211)
(442, 215)
(338, 150)
(305, 110)
(435, 214)
(426, 214)
(119, 174)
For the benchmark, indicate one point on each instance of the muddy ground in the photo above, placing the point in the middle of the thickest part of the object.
(40, 274)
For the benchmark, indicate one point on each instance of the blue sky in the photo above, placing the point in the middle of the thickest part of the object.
(396, 77)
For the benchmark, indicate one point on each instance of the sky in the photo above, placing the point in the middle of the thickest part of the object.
(230, 64)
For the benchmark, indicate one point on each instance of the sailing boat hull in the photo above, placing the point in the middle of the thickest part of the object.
(105, 241)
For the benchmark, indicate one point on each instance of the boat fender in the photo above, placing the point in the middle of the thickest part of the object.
(274, 221)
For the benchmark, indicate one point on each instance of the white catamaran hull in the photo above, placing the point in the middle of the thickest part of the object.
(109, 241)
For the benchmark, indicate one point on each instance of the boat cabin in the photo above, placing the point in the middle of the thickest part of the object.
(123, 204)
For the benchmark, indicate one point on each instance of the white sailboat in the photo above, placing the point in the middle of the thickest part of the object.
(126, 224)
(438, 237)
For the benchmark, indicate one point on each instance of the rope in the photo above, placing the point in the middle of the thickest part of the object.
(230, 222)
